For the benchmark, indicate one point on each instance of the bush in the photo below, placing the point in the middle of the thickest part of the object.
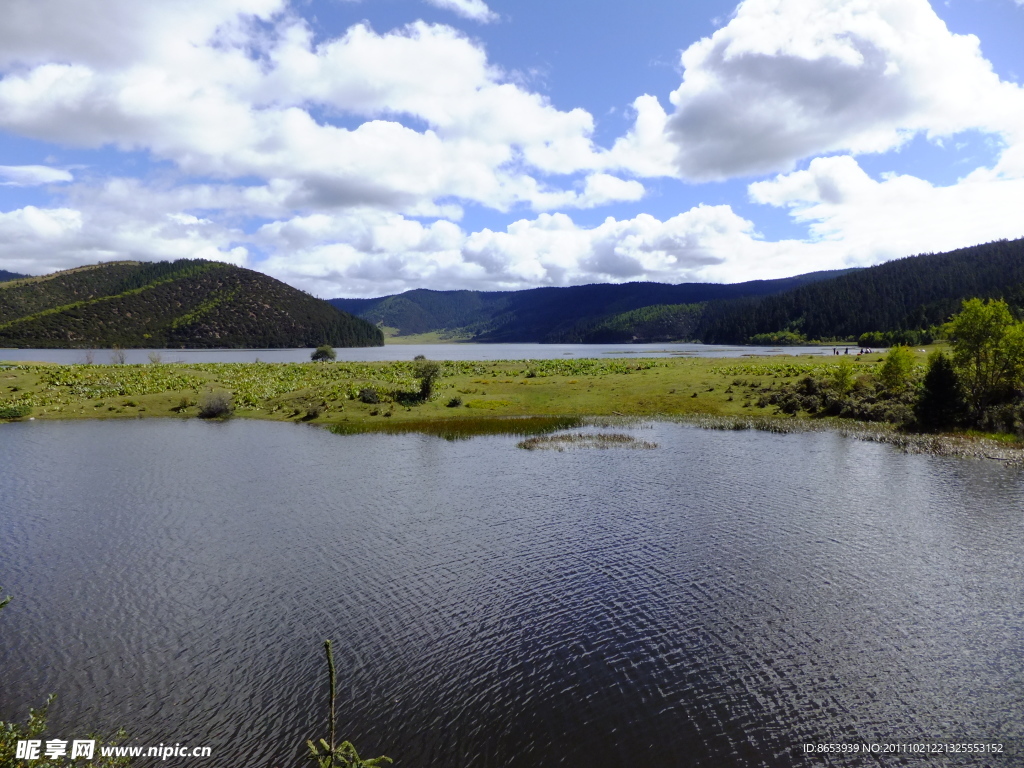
(18, 411)
(369, 395)
(215, 405)
(428, 373)
(323, 353)
(898, 370)
(455, 402)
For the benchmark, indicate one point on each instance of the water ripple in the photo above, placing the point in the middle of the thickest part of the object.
(718, 601)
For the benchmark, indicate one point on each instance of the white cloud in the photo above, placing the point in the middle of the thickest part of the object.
(39, 240)
(31, 175)
(343, 144)
(113, 33)
(789, 79)
(231, 100)
(371, 253)
(475, 10)
(873, 221)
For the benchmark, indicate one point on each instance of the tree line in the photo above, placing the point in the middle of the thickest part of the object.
(978, 384)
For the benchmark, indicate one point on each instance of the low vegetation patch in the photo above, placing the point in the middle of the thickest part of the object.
(14, 411)
(462, 429)
(215, 405)
(602, 440)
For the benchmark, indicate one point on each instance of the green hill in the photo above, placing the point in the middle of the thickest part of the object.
(187, 303)
(908, 294)
(574, 314)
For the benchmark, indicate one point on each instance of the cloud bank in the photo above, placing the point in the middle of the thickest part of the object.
(347, 165)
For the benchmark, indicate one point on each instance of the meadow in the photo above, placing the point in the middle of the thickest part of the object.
(385, 396)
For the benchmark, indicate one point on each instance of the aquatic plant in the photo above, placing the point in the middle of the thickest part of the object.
(344, 755)
(584, 440)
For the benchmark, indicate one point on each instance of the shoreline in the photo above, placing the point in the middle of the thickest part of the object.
(470, 397)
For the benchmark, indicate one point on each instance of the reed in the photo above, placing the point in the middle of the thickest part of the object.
(344, 755)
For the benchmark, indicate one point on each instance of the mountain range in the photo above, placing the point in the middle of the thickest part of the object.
(909, 294)
(581, 313)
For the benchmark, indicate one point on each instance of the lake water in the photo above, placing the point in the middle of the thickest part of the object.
(717, 601)
(409, 351)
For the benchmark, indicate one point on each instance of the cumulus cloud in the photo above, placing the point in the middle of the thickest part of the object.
(373, 252)
(874, 221)
(37, 240)
(220, 96)
(361, 152)
(31, 175)
(789, 79)
(476, 10)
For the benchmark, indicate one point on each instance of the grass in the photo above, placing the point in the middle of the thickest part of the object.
(497, 397)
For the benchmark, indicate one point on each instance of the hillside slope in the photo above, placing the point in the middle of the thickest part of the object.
(186, 303)
(568, 314)
(912, 293)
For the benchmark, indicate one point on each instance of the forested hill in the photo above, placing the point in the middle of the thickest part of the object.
(553, 314)
(186, 303)
(5, 276)
(912, 293)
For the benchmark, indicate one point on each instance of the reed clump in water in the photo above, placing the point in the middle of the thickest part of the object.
(602, 440)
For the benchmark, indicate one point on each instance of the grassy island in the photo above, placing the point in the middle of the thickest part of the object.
(367, 396)
(875, 395)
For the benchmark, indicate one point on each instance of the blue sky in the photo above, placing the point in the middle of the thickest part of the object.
(359, 148)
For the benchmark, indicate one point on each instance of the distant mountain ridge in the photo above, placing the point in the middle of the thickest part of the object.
(570, 314)
(915, 292)
(190, 303)
(5, 276)
(911, 294)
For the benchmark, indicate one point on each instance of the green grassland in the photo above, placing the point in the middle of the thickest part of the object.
(335, 393)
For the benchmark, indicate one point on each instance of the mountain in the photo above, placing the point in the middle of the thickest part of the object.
(569, 314)
(187, 303)
(907, 294)
(5, 276)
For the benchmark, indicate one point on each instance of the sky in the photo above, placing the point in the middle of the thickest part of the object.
(358, 148)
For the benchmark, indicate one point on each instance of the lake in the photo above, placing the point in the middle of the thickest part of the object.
(719, 600)
(409, 351)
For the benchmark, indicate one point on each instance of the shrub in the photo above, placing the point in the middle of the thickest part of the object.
(184, 404)
(117, 356)
(898, 369)
(323, 353)
(455, 402)
(215, 405)
(369, 395)
(428, 372)
(18, 411)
